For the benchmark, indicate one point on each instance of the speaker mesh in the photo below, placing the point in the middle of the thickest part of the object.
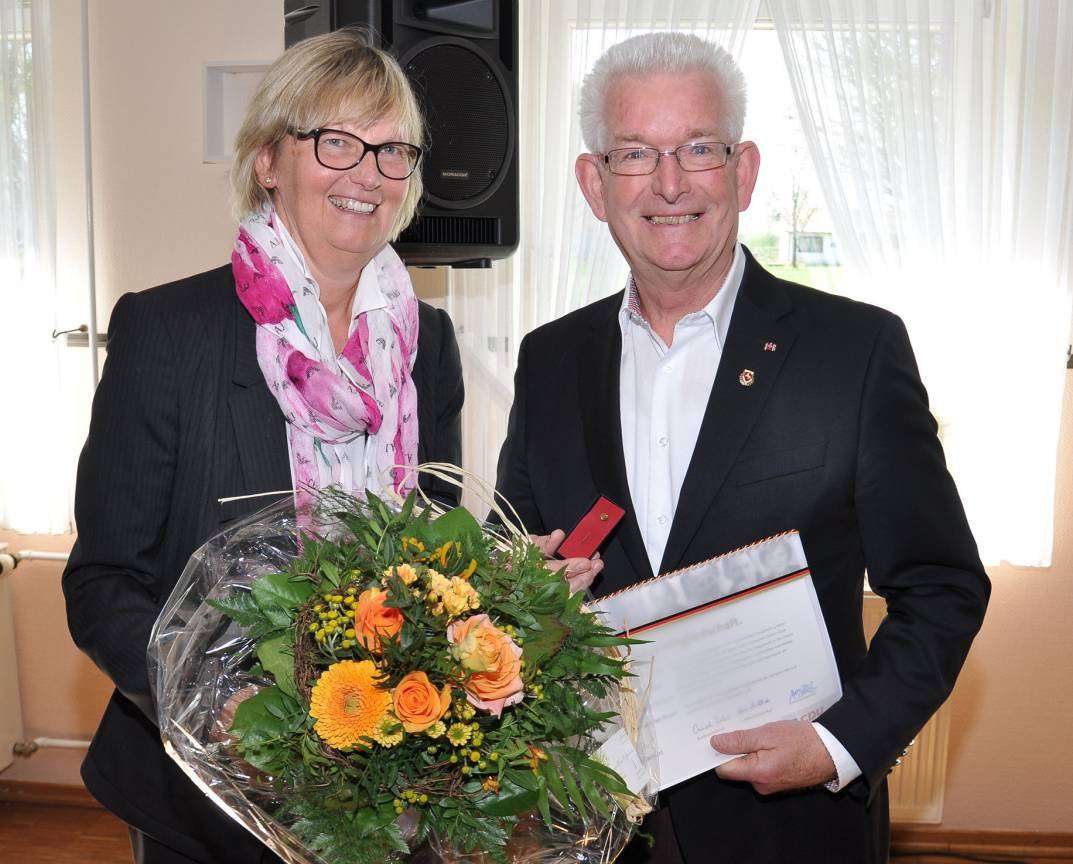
(468, 123)
(478, 230)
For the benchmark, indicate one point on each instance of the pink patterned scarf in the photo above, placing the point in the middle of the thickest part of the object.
(351, 418)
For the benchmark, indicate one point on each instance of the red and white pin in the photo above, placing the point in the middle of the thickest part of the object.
(746, 377)
(770, 346)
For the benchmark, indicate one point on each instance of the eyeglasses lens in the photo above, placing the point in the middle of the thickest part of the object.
(700, 156)
(395, 160)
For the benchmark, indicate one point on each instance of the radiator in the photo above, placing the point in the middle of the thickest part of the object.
(10, 705)
(917, 784)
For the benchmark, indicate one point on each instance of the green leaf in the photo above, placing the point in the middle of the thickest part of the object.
(604, 775)
(511, 800)
(263, 717)
(330, 572)
(604, 641)
(544, 642)
(240, 607)
(385, 514)
(368, 819)
(457, 524)
(595, 798)
(572, 790)
(278, 593)
(408, 506)
(277, 656)
(574, 602)
(524, 779)
(542, 802)
(555, 784)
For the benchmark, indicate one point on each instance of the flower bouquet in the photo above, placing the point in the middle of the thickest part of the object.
(392, 680)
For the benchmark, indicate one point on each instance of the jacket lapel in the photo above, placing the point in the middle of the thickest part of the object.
(599, 362)
(260, 430)
(734, 404)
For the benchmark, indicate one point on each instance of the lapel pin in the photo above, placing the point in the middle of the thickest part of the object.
(770, 346)
(746, 377)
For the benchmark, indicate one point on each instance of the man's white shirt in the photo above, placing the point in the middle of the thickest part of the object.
(663, 396)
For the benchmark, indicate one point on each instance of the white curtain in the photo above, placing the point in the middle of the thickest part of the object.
(941, 134)
(565, 258)
(36, 451)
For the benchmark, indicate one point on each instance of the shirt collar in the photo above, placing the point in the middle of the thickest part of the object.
(719, 309)
(369, 295)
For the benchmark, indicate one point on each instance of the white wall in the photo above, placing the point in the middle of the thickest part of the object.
(160, 212)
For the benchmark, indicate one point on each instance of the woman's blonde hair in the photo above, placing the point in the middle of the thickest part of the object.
(339, 76)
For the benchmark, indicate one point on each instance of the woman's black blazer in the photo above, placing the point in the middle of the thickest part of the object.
(181, 418)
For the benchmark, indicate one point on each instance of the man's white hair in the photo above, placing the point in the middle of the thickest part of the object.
(662, 52)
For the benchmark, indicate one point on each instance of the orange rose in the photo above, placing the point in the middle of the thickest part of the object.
(417, 702)
(373, 620)
(493, 660)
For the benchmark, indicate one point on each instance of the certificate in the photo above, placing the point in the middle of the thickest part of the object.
(734, 642)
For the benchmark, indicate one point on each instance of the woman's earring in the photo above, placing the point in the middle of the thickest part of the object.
(268, 181)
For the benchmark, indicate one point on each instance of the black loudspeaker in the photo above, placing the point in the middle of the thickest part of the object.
(462, 58)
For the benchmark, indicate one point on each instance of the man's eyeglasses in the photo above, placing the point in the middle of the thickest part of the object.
(341, 151)
(699, 156)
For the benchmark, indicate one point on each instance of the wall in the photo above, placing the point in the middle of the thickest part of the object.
(1011, 753)
(160, 212)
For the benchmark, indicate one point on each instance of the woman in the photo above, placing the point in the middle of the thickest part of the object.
(307, 361)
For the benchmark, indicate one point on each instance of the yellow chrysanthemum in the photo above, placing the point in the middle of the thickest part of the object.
(459, 734)
(436, 730)
(389, 731)
(347, 703)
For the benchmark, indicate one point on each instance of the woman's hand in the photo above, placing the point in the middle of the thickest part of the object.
(578, 572)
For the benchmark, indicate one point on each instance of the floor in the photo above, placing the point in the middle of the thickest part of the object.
(46, 834)
(50, 834)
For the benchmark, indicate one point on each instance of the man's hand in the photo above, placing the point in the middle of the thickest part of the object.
(578, 572)
(778, 757)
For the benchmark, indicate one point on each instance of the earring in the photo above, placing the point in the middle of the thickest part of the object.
(268, 181)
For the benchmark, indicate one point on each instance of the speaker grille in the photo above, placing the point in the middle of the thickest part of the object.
(468, 121)
(477, 230)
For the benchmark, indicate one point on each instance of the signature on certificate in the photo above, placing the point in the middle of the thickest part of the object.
(802, 692)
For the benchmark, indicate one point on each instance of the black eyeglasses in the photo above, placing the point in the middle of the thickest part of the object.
(699, 156)
(341, 151)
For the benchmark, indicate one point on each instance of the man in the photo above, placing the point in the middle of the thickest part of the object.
(720, 405)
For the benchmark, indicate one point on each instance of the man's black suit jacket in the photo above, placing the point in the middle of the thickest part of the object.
(183, 417)
(833, 438)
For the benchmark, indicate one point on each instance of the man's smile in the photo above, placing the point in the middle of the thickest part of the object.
(673, 220)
